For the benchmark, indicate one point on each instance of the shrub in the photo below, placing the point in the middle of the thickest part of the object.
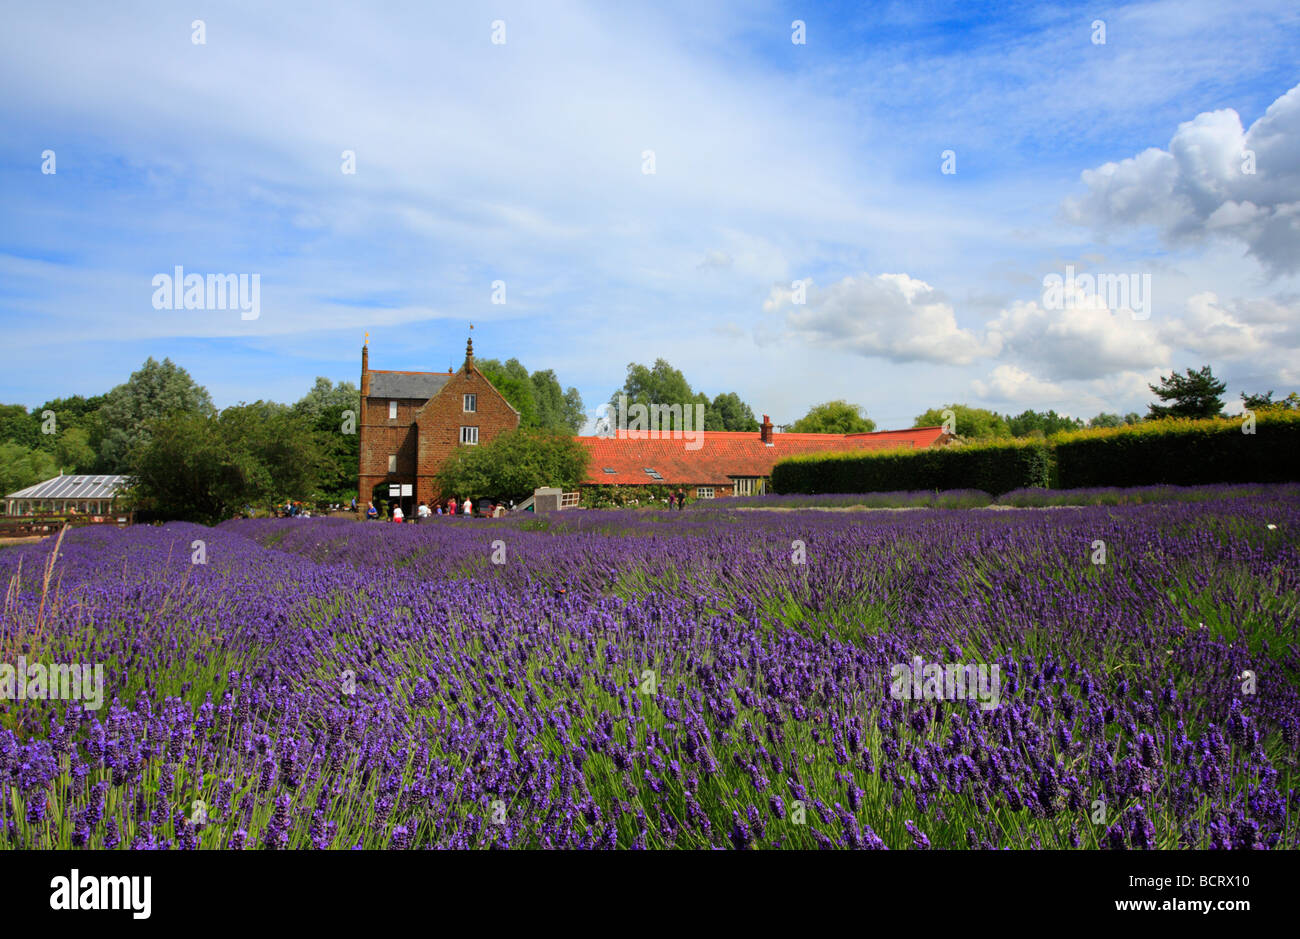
(994, 467)
(1181, 452)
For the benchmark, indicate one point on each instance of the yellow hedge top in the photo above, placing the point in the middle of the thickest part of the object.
(1177, 426)
(1000, 443)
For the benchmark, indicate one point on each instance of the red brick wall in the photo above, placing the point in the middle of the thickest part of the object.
(380, 437)
(440, 420)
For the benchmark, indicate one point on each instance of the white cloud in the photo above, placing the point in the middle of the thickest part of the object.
(1204, 184)
(893, 316)
(1085, 340)
(1012, 384)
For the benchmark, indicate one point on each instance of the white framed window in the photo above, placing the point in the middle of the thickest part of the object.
(392, 410)
(469, 435)
(392, 462)
(704, 492)
(748, 486)
(471, 404)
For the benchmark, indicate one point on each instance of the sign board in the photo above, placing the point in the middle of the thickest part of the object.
(394, 490)
(407, 489)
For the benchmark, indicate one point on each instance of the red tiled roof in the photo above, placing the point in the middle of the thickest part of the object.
(724, 454)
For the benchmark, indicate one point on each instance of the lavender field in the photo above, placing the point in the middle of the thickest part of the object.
(659, 680)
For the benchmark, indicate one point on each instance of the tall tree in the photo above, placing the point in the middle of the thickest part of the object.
(574, 415)
(971, 423)
(205, 468)
(515, 384)
(158, 390)
(833, 417)
(327, 397)
(1194, 395)
(661, 384)
(733, 413)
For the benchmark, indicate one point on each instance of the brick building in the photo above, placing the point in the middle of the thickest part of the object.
(726, 463)
(410, 423)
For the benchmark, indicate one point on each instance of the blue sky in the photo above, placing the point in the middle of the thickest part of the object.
(775, 164)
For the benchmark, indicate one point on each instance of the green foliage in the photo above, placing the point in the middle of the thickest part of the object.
(1194, 395)
(1183, 453)
(513, 464)
(971, 423)
(664, 385)
(537, 397)
(21, 467)
(1104, 420)
(72, 450)
(157, 390)
(833, 417)
(1265, 402)
(731, 413)
(17, 426)
(1043, 424)
(206, 468)
(632, 497)
(324, 409)
(994, 467)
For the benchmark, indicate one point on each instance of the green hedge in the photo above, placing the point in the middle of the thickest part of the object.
(994, 467)
(1182, 453)
(1170, 452)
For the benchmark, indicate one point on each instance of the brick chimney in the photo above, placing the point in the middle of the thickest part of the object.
(765, 431)
(365, 368)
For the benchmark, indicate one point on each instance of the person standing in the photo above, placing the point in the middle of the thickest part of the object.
(467, 508)
(422, 512)
(397, 513)
(372, 513)
(451, 506)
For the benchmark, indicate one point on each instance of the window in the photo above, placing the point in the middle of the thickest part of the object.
(392, 410)
(748, 486)
(652, 473)
(704, 492)
(469, 435)
(609, 469)
(471, 404)
(392, 462)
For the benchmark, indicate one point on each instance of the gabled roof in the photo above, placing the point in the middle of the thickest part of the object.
(421, 385)
(73, 487)
(722, 455)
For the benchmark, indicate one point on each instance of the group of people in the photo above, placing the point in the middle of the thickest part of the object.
(678, 499)
(497, 510)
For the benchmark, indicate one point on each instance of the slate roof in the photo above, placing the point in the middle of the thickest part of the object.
(419, 385)
(73, 487)
(722, 455)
